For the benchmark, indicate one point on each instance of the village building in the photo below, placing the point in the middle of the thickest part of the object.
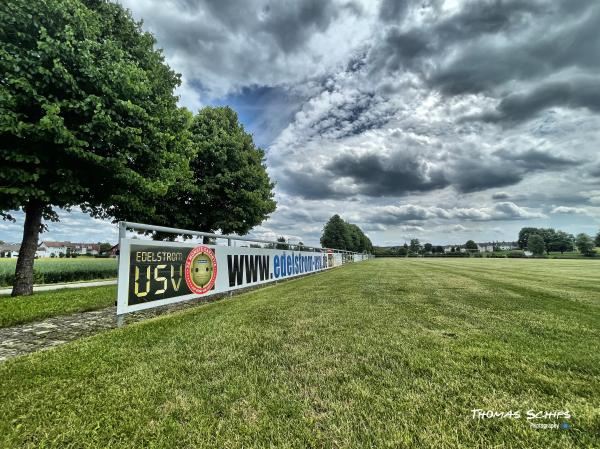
(9, 250)
(55, 249)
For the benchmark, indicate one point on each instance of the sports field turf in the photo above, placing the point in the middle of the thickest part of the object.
(386, 353)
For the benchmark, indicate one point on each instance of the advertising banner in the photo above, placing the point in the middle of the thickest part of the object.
(152, 273)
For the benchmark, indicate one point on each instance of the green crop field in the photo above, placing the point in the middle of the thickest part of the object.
(387, 353)
(51, 271)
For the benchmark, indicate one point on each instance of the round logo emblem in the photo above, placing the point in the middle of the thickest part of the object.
(201, 270)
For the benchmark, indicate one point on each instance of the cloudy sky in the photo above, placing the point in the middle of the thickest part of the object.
(440, 120)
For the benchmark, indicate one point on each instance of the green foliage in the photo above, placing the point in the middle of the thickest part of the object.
(339, 234)
(471, 246)
(585, 245)
(553, 240)
(87, 111)
(282, 244)
(414, 247)
(597, 240)
(524, 236)
(536, 245)
(229, 189)
(51, 271)
(395, 251)
(104, 247)
(560, 241)
(515, 254)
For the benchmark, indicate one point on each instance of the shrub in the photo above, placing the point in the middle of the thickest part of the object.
(516, 254)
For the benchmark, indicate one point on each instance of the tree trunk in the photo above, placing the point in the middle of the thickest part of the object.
(31, 230)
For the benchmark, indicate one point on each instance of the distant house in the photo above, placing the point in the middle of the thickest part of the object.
(507, 246)
(457, 248)
(90, 249)
(114, 251)
(488, 247)
(54, 249)
(9, 250)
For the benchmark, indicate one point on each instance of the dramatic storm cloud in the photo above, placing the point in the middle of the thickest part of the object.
(442, 120)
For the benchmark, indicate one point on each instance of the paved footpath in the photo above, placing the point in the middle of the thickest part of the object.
(46, 287)
(51, 332)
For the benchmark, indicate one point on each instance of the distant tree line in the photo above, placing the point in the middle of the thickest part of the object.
(340, 234)
(542, 241)
(538, 241)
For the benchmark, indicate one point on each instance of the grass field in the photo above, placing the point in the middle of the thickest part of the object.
(25, 309)
(51, 271)
(386, 353)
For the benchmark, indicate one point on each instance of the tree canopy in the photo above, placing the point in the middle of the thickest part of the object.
(340, 234)
(535, 244)
(470, 245)
(229, 189)
(585, 244)
(561, 241)
(524, 236)
(415, 246)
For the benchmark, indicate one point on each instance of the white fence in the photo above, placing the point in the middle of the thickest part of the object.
(157, 273)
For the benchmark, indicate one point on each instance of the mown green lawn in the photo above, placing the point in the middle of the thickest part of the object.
(386, 353)
(24, 309)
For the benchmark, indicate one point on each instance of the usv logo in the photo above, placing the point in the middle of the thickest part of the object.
(201, 270)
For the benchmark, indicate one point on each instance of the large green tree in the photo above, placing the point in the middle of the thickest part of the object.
(340, 234)
(87, 116)
(535, 244)
(471, 246)
(335, 233)
(524, 234)
(584, 244)
(415, 246)
(561, 241)
(229, 189)
(597, 239)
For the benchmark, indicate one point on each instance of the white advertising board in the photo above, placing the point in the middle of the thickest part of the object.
(154, 273)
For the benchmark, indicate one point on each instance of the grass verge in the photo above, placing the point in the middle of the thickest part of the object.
(25, 309)
(386, 353)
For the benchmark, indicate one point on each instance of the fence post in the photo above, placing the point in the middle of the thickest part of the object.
(122, 235)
